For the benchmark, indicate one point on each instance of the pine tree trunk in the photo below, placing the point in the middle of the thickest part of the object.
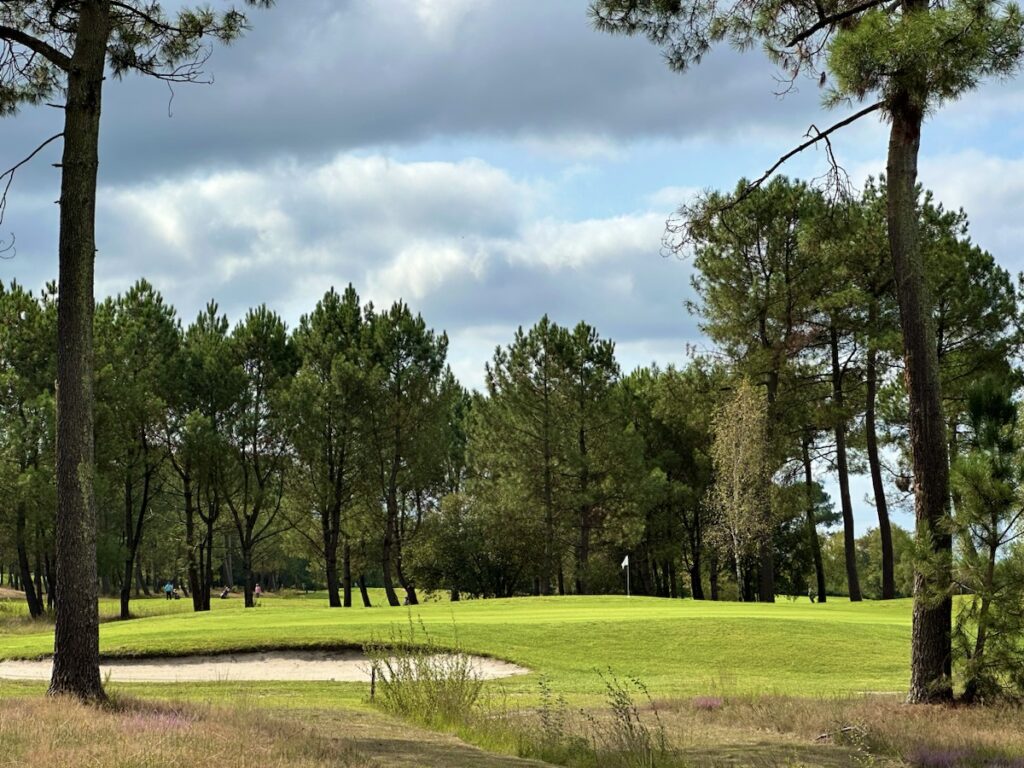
(76, 661)
(931, 644)
(812, 523)
(331, 563)
(346, 574)
(364, 593)
(386, 553)
(192, 546)
(35, 606)
(842, 468)
(871, 440)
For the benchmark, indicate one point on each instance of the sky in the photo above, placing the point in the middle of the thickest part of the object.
(488, 162)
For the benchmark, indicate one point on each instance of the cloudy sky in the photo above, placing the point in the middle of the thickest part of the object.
(486, 161)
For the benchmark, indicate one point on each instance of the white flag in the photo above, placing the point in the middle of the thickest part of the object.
(625, 562)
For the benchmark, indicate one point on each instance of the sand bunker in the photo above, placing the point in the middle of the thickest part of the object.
(339, 666)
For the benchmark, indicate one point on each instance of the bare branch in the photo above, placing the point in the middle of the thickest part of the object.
(9, 176)
(815, 137)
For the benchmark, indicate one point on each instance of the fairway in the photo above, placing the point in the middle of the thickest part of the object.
(676, 647)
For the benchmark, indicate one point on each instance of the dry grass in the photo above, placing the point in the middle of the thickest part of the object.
(48, 733)
(846, 731)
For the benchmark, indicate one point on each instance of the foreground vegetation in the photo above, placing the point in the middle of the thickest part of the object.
(789, 683)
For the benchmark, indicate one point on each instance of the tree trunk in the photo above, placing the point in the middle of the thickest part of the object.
(931, 644)
(812, 523)
(331, 563)
(35, 606)
(192, 547)
(76, 660)
(364, 592)
(871, 439)
(971, 687)
(713, 574)
(247, 574)
(386, 555)
(842, 469)
(346, 573)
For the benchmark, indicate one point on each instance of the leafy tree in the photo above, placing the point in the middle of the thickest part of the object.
(990, 519)
(253, 480)
(60, 50)
(137, 343)
(209, 385)
(742, 520)
(27, 364)
(325, 405)
(515, 443)
(753, 281)
(913, 56)
(406, 416)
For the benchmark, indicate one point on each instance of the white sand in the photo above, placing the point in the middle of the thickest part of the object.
(340, 666)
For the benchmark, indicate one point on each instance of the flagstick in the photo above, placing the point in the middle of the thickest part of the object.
(627, 580)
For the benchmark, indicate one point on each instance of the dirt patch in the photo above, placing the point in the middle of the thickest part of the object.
(338, 666)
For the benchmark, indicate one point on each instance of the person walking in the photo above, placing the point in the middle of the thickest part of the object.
(258, 592)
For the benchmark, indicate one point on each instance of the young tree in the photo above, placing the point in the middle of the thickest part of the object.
(60, 50)
(742, 477)
(989, 519)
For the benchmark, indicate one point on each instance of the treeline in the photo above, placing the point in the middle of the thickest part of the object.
(344, 453)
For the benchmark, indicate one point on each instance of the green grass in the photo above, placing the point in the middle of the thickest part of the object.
(678, 647)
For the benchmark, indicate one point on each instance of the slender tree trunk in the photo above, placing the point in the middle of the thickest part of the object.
(247, 574)
(364, 592)
(386, 551)
(76, 661)
(713, 574)
(35, 606)
(812, 523)
(548, 565)
(931, 643)
(51, 581)
(971, 687)
(331, 563)
(192, 547)
(871, 440)
(346, 573)
(842, 469)
(696, 588)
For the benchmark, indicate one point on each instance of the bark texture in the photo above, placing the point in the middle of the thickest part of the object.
(76, 660)
(931, 646)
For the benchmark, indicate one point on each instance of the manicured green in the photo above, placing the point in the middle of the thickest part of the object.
(677, 647)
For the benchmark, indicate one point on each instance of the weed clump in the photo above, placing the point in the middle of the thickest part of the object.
(416, 677)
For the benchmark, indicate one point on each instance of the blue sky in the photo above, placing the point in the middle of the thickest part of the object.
(486, 161)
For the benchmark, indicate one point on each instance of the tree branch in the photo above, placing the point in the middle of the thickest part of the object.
(9, 175)
(828, 21)
(814, 139)
(55, 57)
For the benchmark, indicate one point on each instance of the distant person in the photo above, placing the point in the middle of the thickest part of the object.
(225, 592)
(811, 594)
(258, 592)
(168, 590)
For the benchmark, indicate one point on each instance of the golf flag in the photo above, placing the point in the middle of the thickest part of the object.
(625, 562)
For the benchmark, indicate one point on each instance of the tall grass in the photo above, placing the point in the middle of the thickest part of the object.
(418, 678)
